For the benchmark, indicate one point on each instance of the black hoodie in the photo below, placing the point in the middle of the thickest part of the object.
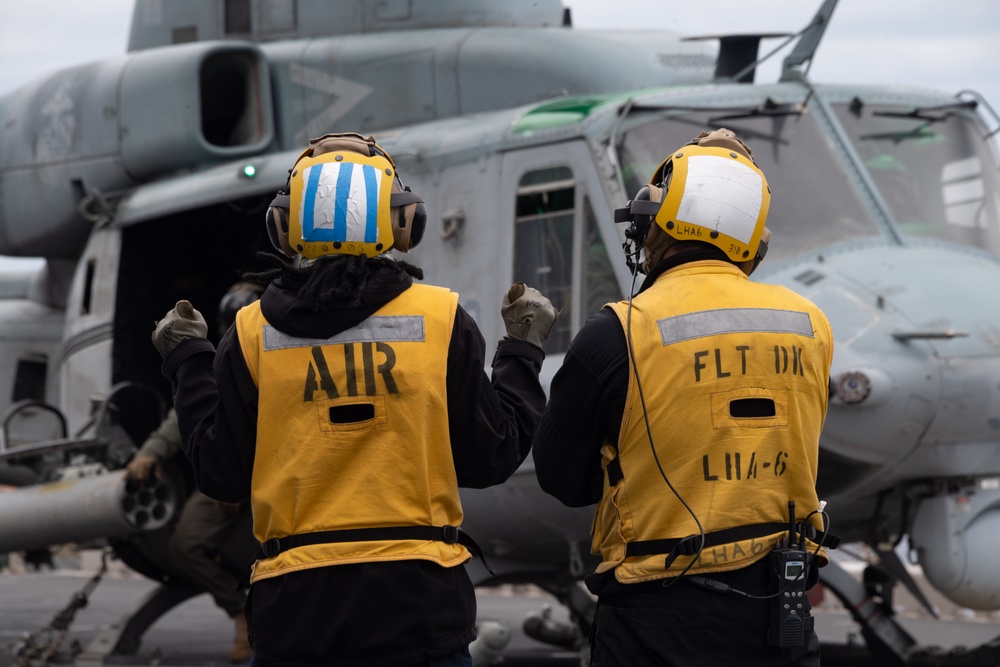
(387, 614)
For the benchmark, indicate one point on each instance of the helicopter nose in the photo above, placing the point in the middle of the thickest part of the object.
(909, 303)
(944, 296)
(947, 304)
(916, 358)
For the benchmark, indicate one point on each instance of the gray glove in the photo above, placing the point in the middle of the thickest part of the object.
(527, 314)
(178, 325)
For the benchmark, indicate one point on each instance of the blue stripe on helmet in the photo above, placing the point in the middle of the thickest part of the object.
(342, 197)
(371, 190)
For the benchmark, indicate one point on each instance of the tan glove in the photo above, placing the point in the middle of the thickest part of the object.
(178, 325)
(143, 469)
(527, 314)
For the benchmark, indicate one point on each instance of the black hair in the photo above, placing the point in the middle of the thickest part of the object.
(332, 281)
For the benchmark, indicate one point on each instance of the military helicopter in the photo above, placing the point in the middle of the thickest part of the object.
(145, 179)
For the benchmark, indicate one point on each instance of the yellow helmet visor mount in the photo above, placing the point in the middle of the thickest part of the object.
(716, 196)
(339, 204)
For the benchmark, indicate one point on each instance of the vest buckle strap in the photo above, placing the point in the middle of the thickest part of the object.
(447, 534)
(689, 546)
(270, 548)
(811, 532)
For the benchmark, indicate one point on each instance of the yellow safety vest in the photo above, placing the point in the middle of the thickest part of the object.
(352, 433)
(735, 379)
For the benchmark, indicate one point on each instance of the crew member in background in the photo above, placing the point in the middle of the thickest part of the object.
(691, 414)
(349, 405)
(206, 526)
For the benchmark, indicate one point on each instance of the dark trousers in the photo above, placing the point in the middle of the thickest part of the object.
(405, 613)
(203, 532)
(686, 625)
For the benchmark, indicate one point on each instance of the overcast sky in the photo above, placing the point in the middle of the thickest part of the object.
(942, 45)
(947, 46)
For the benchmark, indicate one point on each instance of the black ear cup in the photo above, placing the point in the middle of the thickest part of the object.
(637, 231)
(640, 223)
(272, 231)
(276, 221)
(639, 213)
(419, 224)
(408, 226)
(409, 217)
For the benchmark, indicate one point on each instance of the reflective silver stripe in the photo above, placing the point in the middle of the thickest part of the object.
(385, 329)
(733, 320)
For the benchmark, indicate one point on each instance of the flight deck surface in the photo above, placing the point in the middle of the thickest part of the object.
(198, 633)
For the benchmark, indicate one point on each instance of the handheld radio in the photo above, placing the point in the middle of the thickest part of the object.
(788, 585)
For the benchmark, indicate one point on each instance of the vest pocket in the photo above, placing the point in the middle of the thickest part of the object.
(750, 407)
(351, 413)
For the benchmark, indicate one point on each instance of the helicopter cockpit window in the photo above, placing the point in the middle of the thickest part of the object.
(813, 203)
(543, 244)
(932, 167)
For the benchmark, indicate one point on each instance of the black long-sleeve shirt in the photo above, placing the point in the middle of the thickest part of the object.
(398, 612)
(586, 402)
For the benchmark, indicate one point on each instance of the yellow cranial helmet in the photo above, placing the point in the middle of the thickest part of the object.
(711, 191)
(344, 197)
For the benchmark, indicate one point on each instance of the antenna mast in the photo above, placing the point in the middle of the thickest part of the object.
(801, 55)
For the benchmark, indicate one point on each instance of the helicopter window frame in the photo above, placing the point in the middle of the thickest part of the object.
(554, 219)
(593, 279)
(591, 198)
